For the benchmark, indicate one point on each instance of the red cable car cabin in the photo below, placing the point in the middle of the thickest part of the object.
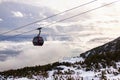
(38, 40)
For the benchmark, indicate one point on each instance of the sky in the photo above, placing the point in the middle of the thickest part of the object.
(63, 39)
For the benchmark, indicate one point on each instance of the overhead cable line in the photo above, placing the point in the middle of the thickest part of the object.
(16, 35)
(67, 18)
(47, 17)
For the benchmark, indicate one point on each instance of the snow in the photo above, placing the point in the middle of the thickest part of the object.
(20, 79)
(118, 64)
(113, 77)
(88, 53)
(79, 73)
(72, 60)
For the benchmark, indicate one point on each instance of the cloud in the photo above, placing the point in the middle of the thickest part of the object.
(30, 55)
(17, 14)
(60, 5)
(7, 53)
(0, 1)
(1, 19)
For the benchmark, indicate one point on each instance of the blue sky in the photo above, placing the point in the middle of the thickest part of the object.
(64, 39)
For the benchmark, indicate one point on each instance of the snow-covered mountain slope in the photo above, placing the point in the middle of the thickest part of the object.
(113, 46)
(101, 63)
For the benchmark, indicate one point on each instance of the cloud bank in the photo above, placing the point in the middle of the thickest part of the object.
(29, 55)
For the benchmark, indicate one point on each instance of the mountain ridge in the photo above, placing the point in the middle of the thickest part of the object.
(111, 46)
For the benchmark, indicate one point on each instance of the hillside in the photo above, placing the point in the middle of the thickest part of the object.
(110, 47)
(102, 62)
(103, 56)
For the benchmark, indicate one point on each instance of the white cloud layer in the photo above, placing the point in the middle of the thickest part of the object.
(17, 14)
(1, 19)
(31, 55)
